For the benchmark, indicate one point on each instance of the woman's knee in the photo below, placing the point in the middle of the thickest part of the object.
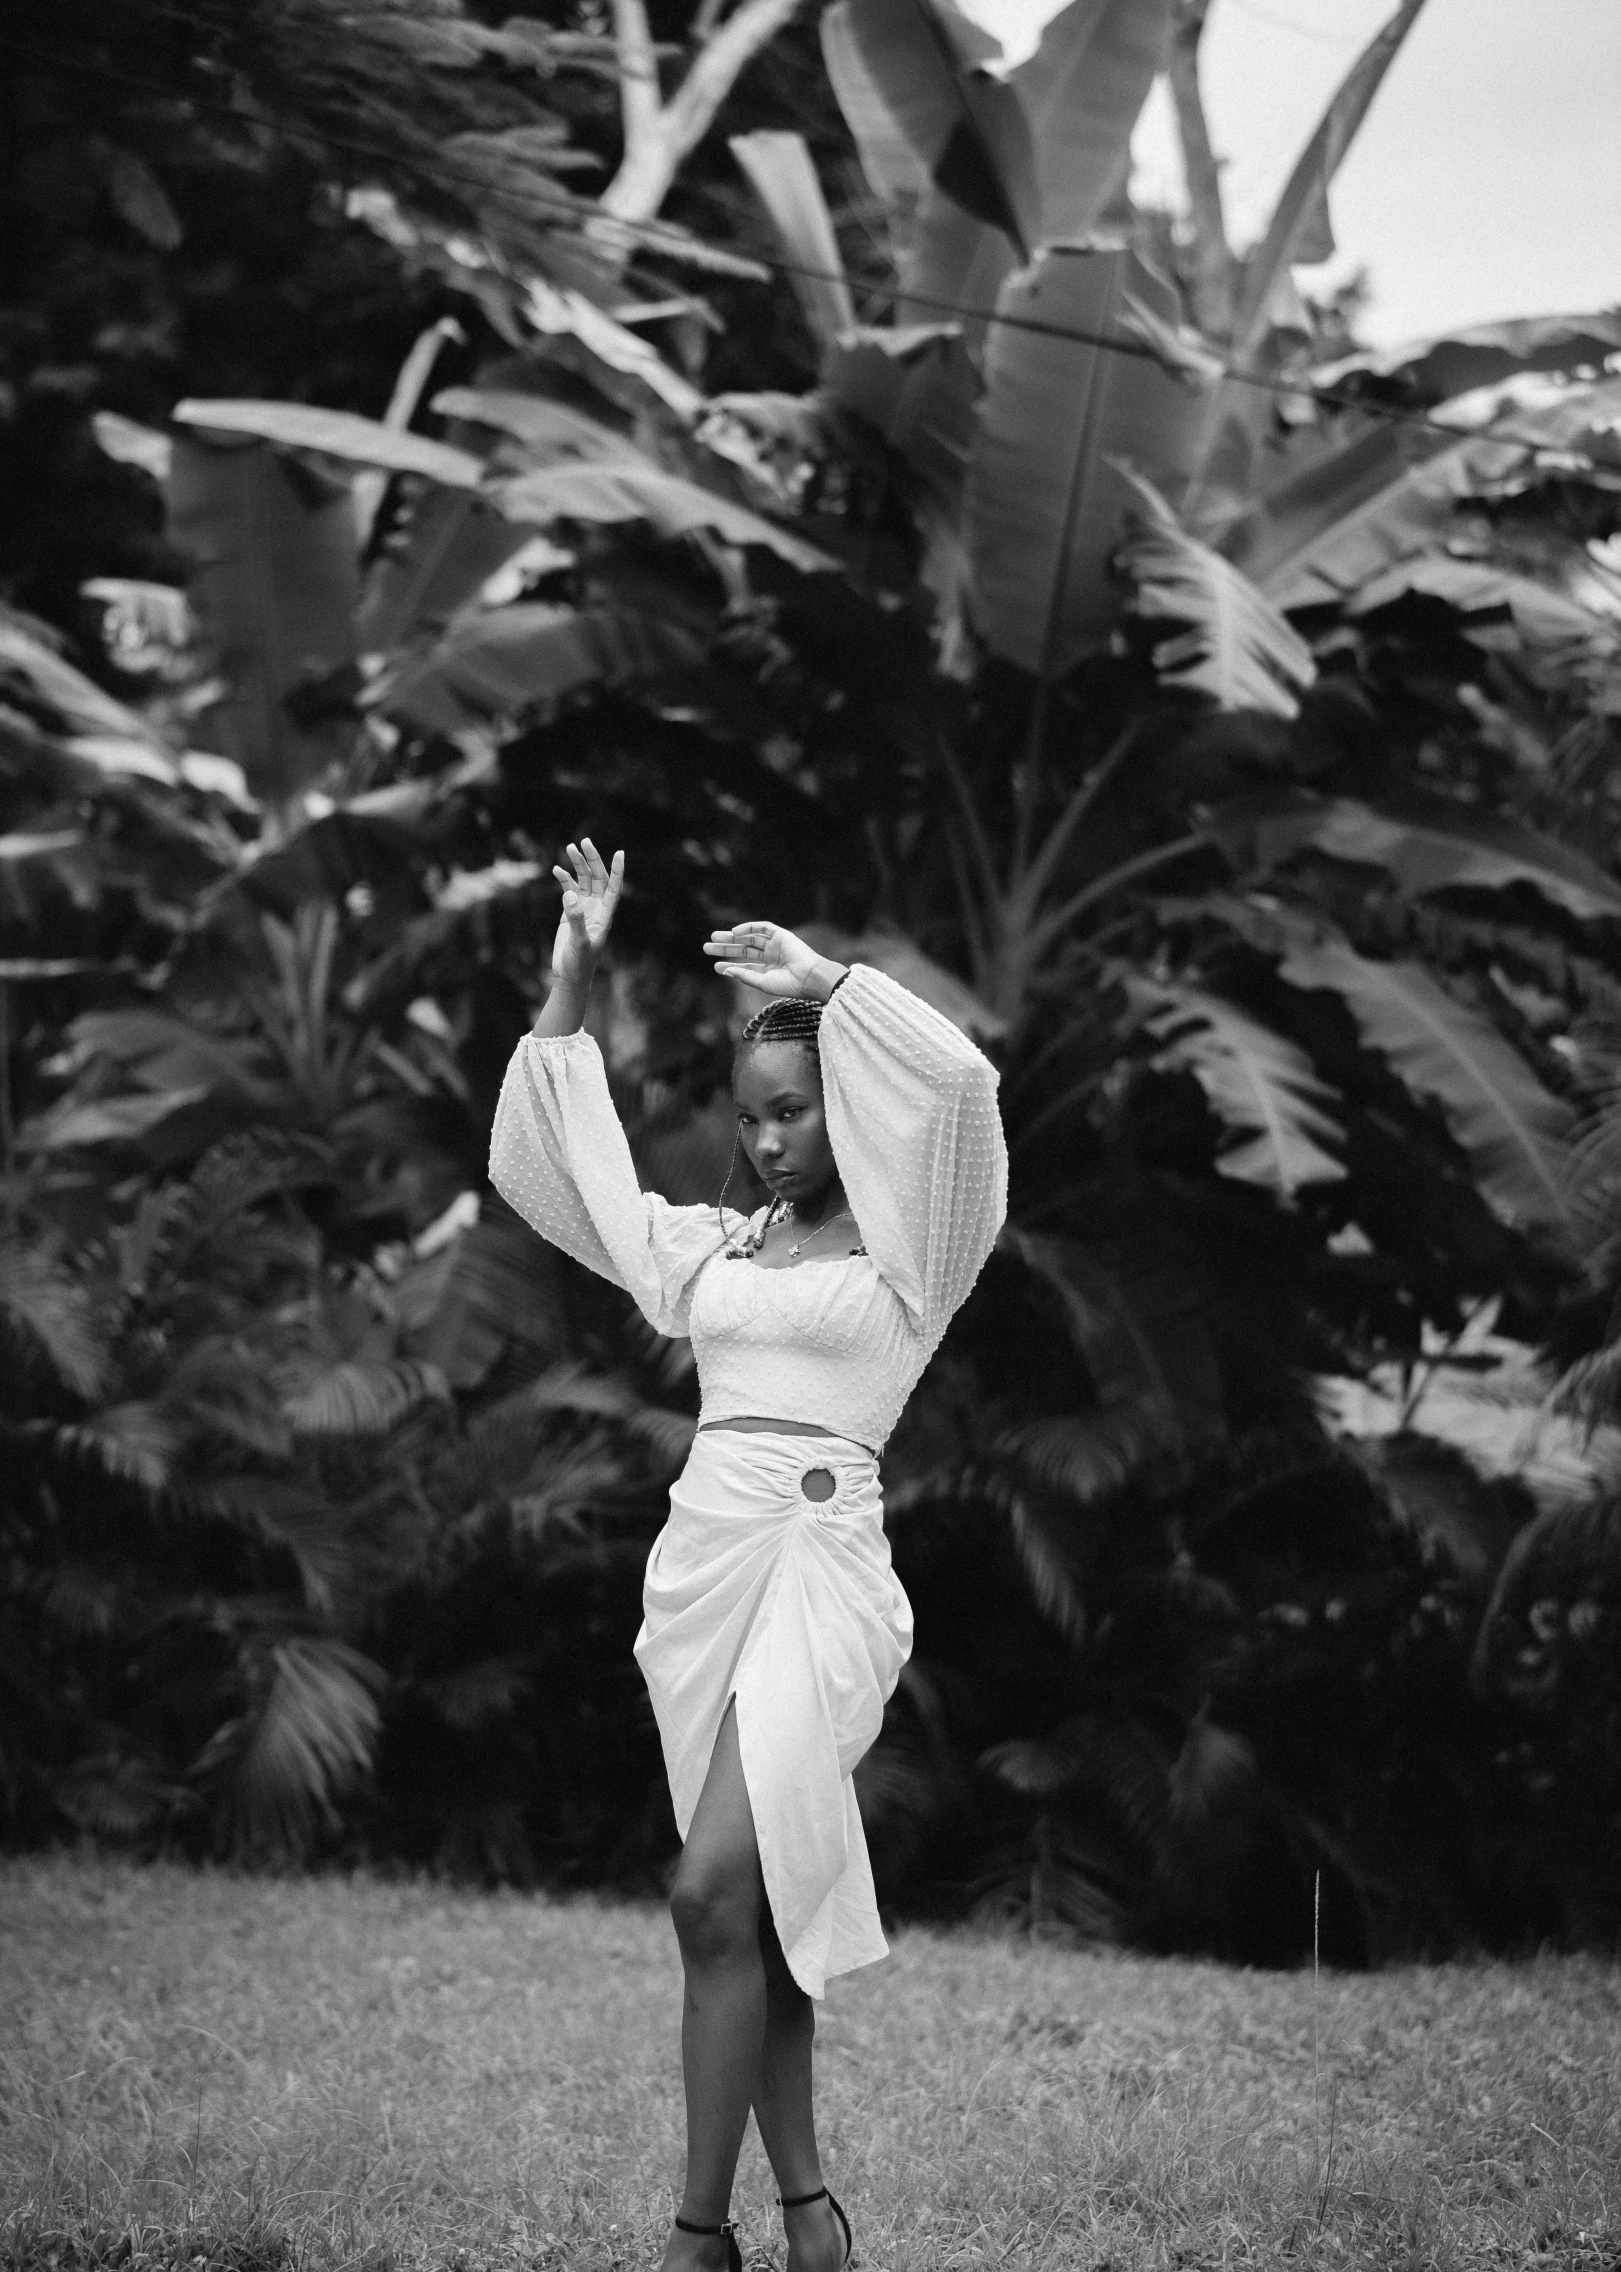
(716, 1910)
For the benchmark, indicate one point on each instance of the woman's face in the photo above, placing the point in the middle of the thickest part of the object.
(778, 1093)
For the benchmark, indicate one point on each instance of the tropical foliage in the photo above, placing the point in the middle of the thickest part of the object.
(1223, 735)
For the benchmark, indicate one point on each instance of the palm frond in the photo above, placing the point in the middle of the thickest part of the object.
(53, 1313)
(1038, 1766)
(1140, 1325)
(1590, 1389)
(358, 1398)
(117, 1797)
(576, 1477)
(88, 1598)
(1090, 1457)
(572, 1387)
(282, 1512)
(221, 1387)
(1047, 1571)
(240, 1173)
(137, 1442)
(1213, 1768)
(276, 1772)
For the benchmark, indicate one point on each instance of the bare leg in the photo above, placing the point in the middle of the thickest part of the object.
(784, 2112)
(717, 1902)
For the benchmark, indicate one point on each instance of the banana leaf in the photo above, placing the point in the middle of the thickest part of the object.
(500, 664)
(410, 384)
(88, 724)
(953, 272)
(1045, 497)
(1261, 1086)
(784, 179)
(1513, 1132)
(969, 129)
(1082, 91)
(1391, 495)
(1236, 647)
(1432, 371)
(1502, 609)
(1299, 229)
(895, 173)
(41, 865)
(1423, 844)
(339, 434)
(274, 587)
(622, 365)
(551, 432)
(671, 506)
(446, 547)
(107, 1120)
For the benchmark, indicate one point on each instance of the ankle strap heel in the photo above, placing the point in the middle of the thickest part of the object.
(804, 2200)
(734, 2255)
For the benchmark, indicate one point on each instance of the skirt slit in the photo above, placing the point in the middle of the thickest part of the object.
(785, 1608)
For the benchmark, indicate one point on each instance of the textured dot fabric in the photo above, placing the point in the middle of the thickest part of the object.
(755, 1589)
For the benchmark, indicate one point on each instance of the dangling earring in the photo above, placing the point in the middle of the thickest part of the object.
(734, 1254)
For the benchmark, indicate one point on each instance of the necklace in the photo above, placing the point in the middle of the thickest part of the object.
(781, 1211)
(820, 1228)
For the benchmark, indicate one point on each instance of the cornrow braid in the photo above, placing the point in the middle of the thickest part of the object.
(791, 1017)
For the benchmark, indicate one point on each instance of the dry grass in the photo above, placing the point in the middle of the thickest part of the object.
(254, 2072)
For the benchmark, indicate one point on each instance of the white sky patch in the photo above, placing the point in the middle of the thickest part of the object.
(1486, 181)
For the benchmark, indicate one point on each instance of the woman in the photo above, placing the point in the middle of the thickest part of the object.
(774, 1627)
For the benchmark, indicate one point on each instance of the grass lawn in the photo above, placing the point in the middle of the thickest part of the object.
(212, 2069)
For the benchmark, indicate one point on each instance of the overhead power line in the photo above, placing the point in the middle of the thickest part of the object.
(660, 240)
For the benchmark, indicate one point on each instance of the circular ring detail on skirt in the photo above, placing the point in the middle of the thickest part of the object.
(757, 1590)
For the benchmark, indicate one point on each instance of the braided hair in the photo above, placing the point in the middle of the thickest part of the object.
(791, 1018)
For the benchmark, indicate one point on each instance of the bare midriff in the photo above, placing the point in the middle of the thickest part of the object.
(752, 1425)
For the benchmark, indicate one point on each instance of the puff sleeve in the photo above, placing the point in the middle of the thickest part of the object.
(558, 1155)
(912, 1115)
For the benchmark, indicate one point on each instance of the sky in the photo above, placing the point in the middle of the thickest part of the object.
(1486, 180)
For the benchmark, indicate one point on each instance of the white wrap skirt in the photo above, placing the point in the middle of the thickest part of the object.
(756, 1590)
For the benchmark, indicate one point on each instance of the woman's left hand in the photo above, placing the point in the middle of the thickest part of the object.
(773, 961)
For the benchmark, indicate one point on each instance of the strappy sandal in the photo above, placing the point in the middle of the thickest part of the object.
(804, 2200)
(734, 2255)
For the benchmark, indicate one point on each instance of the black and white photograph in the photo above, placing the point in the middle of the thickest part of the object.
(810, 1136)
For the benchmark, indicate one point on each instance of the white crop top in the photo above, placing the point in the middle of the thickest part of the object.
(911, 1113)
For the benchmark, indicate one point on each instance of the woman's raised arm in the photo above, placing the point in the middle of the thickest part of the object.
(912, 1117)
(557, 1152)
(590, 896)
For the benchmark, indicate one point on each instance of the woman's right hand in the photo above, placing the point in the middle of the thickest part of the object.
(590, 895)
